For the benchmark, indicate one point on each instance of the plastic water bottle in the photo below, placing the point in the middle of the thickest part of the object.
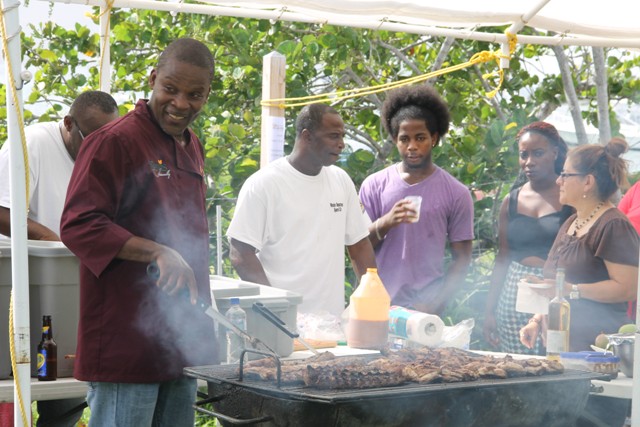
(235, 343)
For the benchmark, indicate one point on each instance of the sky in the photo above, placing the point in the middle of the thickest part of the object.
(64, 14)
(38, 11)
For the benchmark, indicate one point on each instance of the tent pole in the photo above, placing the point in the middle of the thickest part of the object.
(516, 27)
(19, 257)
(273, 121)
(105, 51)
(468, 34)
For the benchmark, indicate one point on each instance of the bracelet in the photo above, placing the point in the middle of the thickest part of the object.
(575, 292)
(378, 231)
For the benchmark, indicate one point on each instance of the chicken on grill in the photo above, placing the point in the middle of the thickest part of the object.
(444, 365)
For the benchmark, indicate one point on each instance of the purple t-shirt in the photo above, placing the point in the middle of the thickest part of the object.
(412, 255)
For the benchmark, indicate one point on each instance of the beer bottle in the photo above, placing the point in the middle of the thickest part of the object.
(47, 353)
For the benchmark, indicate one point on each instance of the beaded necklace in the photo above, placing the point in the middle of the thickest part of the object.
(579, 224)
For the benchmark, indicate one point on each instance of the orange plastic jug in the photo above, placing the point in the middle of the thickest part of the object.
(369, 313)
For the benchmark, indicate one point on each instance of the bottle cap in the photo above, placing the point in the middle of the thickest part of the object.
(235, 301)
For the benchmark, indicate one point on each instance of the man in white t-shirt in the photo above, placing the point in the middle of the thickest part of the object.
(52, 148)
(294, 218)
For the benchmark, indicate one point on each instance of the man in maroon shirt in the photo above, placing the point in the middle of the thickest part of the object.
(136, 196)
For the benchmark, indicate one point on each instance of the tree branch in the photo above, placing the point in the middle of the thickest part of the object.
(493, 101)
(570, 92)
(445, 48)
(401, 56)
(604, 124)
(362, 137)
(373, 97)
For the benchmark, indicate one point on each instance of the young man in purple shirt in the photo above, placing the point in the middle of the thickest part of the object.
(410, 255)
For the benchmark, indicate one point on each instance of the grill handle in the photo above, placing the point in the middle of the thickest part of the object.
(273, 318)
(263, 310)
(231, 420)
(273, 356)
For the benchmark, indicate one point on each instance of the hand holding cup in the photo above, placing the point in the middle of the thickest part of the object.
(414, 205)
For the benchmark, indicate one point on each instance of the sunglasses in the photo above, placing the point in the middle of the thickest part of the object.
(78, 127)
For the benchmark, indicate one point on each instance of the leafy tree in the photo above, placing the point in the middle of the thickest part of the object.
(479, 150)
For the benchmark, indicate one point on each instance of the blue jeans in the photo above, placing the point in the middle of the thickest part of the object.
(166, 404)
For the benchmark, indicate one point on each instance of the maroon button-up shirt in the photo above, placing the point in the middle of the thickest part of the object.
(132, 179)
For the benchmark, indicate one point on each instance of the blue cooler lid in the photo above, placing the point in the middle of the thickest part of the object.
(575, 355)
(600, 357)
(591, 356)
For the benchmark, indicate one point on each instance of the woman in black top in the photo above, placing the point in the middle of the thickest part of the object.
(530, 217)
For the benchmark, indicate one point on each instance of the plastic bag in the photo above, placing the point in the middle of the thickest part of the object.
(459, 335)
(322, 326)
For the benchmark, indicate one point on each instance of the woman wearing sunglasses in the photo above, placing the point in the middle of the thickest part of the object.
(598, 247)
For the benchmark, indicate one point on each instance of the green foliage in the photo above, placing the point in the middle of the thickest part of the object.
(479, 150)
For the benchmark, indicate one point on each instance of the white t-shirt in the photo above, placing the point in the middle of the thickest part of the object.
(300, 225)
(50, 167)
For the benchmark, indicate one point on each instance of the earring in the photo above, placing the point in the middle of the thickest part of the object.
(584, 196)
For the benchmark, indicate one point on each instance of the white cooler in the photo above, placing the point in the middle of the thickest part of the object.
(282, 302)
(54, 290)
(54, 279)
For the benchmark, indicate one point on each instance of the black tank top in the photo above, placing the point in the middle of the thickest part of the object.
(528, 236)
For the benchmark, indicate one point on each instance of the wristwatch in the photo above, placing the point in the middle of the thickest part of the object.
(575, 292)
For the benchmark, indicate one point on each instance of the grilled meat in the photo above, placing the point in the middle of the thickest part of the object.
(346, 377)
(424, 365)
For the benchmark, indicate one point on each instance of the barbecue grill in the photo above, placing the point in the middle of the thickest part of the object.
(552, 400)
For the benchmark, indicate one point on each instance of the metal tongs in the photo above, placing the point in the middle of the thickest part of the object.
(261, 309)
(154, 273)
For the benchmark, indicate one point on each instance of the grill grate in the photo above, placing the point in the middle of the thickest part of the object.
(227, 374)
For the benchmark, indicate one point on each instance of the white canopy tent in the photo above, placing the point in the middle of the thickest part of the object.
(554, 22)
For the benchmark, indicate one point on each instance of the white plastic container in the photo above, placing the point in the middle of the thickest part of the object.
(54, 290)
(282, 302)
(530, 301)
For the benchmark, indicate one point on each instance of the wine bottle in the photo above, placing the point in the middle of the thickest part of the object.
(559, 321)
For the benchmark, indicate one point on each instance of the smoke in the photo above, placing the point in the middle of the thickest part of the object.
(169, 209)
(181, 333)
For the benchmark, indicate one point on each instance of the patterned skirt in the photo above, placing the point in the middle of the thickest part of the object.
(509, 321)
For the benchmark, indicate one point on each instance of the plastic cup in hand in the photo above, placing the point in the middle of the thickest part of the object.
(416, 202)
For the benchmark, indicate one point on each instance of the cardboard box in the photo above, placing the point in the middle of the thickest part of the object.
(282, 302)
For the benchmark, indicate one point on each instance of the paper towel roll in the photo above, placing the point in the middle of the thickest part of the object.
(416, 326)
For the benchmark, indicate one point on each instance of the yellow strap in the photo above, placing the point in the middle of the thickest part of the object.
(480, 57)
(14, 365)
